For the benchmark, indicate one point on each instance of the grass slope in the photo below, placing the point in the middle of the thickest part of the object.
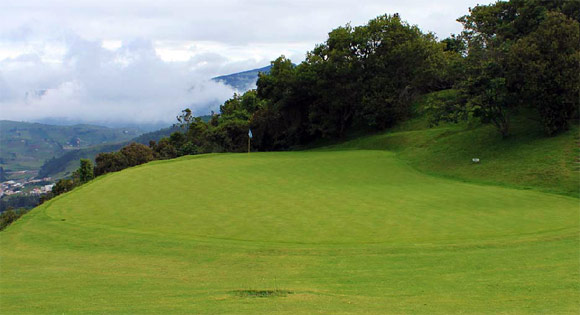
(294, 232)
(526, 160)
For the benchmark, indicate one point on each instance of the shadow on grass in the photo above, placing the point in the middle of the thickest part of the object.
(262, 293)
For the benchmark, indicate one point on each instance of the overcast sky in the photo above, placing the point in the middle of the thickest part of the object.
(143, 61)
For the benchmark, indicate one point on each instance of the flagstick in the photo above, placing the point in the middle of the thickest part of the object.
(249, 139)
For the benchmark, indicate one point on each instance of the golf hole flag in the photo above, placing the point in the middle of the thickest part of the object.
(249, 138)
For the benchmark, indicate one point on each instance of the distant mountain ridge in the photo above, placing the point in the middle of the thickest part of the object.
(242, 81)
(64, 165)
(25, 146)
(63, 121)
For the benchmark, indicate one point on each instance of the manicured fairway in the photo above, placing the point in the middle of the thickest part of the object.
(334, 232)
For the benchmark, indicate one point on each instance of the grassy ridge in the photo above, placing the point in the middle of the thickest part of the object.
(526, 160)
(339, 231)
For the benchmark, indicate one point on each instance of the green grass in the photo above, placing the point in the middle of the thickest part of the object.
(525, 160)
(327, 231)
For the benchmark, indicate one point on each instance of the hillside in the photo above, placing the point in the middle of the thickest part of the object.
(526, 160)
(335, 230)
(25, 146)
(242, 81)
(65, 164)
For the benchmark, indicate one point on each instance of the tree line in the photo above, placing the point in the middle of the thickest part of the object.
(522, 54)
(511, 56)
(130, 155)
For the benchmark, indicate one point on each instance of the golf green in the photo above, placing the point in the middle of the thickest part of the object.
(292, 232)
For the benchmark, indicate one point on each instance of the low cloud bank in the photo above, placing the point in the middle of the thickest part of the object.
(89, 83)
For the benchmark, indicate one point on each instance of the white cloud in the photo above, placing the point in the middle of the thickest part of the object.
(92, 83)
(227, 21)
(137, 60)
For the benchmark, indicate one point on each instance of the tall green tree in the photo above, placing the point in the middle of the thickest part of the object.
(241, 106)
(185, 118)
(85, 171)
(282, 93)
(506, 42)
(487, 32)
(544, 69)
(337, 85)
(108, 162)
(137, 153)
(397, 62)
(62, 186)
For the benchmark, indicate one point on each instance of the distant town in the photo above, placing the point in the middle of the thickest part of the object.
(26, 187)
